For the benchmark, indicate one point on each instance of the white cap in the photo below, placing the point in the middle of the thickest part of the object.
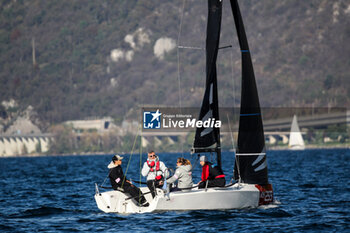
(203, 158)
(117, 157)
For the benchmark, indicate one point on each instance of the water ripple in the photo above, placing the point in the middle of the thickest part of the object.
(55, 194)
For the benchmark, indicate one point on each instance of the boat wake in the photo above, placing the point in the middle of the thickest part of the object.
(274, 204)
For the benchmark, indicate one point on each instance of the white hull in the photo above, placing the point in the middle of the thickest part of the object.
(237, 196)
(297, 147)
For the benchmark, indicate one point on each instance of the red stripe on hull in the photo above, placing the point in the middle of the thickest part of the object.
(266, 194)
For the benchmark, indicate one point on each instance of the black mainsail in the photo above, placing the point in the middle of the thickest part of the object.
(251, 164)
(208, 139)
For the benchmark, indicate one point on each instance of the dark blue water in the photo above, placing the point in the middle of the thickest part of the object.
(55, 194)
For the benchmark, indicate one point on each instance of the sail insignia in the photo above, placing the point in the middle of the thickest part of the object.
(260, 157)
(261, 167)
(211, 94)
(209, 129)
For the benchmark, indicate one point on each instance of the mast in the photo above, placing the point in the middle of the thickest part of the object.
(208, 139)
(250, 156)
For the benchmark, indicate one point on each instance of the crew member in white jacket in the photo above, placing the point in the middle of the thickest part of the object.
(156, 172)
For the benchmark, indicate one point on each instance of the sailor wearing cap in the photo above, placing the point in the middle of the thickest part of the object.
(118, 180)
(211, 174)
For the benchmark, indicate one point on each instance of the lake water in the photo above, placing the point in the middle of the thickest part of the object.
(55, 194)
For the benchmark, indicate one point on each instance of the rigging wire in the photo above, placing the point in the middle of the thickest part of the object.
(231, 132)
(178, 52)
(105, 179)
(199, 48)
(234, 103)
(195, 163)
(131, 154)
(233, 80)
(140, 163)
(178, 63)
(189, 47)
(234, 151)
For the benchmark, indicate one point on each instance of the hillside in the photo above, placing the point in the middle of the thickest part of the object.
(103, 58)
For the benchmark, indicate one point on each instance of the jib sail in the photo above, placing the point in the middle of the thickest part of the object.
(208, 139)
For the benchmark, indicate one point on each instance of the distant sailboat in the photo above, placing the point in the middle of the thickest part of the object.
(296, 141)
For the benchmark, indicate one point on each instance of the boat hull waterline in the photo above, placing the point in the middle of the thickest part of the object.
(237, 196)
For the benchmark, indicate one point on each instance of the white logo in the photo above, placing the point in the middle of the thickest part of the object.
(151, 120)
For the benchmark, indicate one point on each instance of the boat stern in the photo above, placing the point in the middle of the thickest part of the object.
(265, 194)
(103, 202)
(118, 202)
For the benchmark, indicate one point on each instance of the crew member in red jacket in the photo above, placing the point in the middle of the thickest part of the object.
(211, 173)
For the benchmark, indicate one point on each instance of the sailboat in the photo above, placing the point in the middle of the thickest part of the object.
(296, 141)
(251, 188)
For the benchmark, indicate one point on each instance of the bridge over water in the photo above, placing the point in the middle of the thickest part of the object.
(12, 145)
(315, 121)
(273, 127)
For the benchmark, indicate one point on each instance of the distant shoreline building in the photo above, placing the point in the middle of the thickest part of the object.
(102, 125)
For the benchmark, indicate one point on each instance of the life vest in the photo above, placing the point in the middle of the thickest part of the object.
(210, 172)
(217, 171)
(205, 172)
(152, 164)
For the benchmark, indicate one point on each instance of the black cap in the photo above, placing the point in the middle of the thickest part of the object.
(117, 157)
